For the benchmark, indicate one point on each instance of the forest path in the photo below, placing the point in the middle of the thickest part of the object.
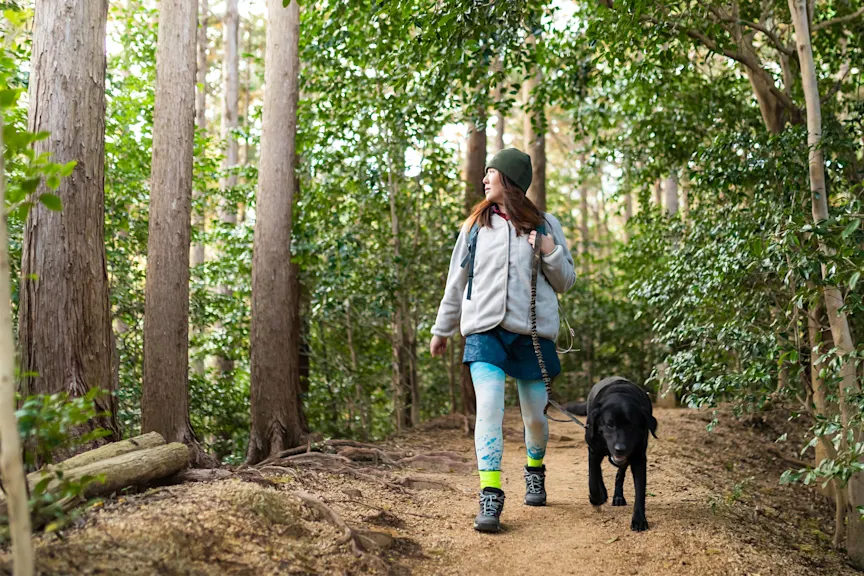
(714, 506)
(709, 507)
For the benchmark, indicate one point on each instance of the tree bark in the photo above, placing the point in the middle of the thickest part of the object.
(837, 319)
(11, 464)
(65, 321)
(165, 395)
(628, 213)
(658, 194)
(198, 221)
(475, 170)
(275, 370)
(230, 122)
(201, 88)
(671, 193)
(534, 141)
(475, 162)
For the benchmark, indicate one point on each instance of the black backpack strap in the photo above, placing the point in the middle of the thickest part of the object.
(469, 258)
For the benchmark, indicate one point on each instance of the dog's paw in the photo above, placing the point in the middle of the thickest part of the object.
(619, 501)
(599, 497)
(639, 524)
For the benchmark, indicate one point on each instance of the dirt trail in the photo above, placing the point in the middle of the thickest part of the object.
(700, 522)
(714, 506)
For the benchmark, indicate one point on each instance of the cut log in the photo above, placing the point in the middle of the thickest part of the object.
(132, 469)
(151, 440)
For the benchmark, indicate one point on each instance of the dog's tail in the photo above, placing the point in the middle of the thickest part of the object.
(577, 408)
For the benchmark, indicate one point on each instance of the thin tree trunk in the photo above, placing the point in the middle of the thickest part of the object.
(165, 395)
(201, 89)
(628, 213)
(65, 320)
(359, 397)
(685, 198)
(475, 169)
(198, 220)
(658, 194)
(276, 424)
(671, 193)
(230, 102)
(11, 465)
(534, 140)
(837, 319)
(403, 411)
(475, 162)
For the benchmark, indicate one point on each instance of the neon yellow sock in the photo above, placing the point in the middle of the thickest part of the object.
(490, 479)
(533, 463)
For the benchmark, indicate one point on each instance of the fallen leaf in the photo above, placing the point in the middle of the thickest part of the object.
(611, 540)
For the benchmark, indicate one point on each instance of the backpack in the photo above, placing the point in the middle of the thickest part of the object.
(472, 249)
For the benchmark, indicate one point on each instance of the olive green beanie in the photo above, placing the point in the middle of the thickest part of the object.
(514, 164)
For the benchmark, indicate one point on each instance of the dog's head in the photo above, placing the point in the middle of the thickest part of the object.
(621, 424)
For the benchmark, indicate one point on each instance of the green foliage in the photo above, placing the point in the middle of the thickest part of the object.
(51, 425)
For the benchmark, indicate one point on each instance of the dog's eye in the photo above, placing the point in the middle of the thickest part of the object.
(610, 425)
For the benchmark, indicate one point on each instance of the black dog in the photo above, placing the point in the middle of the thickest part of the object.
(619, 419)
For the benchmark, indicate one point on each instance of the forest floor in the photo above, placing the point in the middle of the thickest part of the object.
(714, 506)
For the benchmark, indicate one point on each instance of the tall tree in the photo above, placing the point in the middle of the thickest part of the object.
(275, 375)
(534, 139)
(475, 168)
(230, 122)
(11, 464)
(834, 301)
(165, 396)
(64, 321)
(665, 396)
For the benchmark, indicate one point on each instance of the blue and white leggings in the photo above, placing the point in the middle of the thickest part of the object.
(488, 430)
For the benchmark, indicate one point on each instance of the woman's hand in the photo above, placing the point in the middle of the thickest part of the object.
(547, 244)
(438, 345)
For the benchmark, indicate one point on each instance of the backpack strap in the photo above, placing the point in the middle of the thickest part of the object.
(469, 258)
(541, 228)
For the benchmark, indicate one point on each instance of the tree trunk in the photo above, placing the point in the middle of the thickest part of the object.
(534, 142)
(840, 331)
(628, 213)
(275, 370)
(64, 321)
(658, 194)
(685, 198)
(671, 193)
(360, 399)
(230, 105)
(475, 170)
(165, 395)
(475, 162)
(201, 89)
(11, 465)
(198, 220)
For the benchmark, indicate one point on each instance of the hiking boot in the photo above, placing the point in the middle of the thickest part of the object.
(535, 486)
(491, 505)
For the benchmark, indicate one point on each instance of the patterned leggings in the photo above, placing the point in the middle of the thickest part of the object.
(488, 431)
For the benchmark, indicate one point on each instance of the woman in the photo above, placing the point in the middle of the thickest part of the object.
(493, 307)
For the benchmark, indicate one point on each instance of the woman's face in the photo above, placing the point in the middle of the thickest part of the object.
(493, 187)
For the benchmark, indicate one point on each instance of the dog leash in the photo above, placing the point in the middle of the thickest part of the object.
(535, 340)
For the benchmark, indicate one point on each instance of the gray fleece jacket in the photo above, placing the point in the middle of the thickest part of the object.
(501, 293)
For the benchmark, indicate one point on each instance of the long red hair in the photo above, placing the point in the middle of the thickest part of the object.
(522, 212)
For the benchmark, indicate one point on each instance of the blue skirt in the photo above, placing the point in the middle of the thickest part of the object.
(513, 353)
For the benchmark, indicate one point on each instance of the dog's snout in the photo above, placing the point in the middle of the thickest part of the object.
(620, 449)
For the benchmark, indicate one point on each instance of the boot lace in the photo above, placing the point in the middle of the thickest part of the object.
(534, 482)
(489, 504)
